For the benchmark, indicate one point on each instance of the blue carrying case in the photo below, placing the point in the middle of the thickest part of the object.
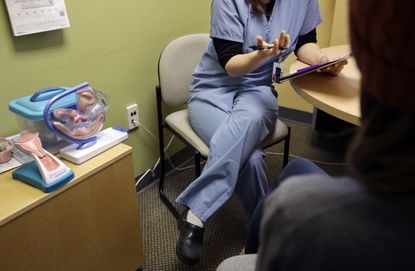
(29, 112)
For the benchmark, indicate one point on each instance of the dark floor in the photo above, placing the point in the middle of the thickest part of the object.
(225, 232)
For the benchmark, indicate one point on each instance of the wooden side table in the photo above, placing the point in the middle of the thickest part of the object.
(92, 223)
(339, 95)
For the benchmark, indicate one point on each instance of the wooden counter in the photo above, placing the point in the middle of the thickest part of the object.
(91, 223)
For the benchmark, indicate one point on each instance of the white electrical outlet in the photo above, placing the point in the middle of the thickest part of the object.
(132, 116)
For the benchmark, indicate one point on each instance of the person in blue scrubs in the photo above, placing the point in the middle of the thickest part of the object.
(233, 107)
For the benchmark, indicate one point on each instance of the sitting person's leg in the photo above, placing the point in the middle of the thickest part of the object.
(252, 185)
(233, 134)
(298, 166)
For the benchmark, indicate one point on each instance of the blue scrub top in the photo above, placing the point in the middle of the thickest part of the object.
(234, 20)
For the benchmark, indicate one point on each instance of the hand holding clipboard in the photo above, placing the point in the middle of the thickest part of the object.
(310, 69)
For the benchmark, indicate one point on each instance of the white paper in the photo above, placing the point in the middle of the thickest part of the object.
(18, 158)
(34, 16)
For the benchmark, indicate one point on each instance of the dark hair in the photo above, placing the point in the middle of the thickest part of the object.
(257, 6)
(382, 154)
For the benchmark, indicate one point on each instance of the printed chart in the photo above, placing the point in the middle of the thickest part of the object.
(34, 16)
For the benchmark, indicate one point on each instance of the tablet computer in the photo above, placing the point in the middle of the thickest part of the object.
(310, 69)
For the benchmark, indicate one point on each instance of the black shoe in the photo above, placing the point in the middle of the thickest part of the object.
(189, 247)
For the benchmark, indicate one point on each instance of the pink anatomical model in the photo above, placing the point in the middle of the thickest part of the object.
(84, 122)
(50, 167)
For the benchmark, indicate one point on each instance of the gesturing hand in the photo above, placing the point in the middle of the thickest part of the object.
(277, 47)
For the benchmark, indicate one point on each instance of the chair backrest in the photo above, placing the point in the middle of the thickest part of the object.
(176, 64)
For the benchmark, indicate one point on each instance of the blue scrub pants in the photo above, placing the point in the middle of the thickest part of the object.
(232, 124)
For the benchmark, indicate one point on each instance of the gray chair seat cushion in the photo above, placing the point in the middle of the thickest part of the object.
(179, 121)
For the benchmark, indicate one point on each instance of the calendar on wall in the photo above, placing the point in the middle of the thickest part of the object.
(34, 16)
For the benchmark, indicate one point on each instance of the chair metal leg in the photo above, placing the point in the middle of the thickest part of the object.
(165, 200)
(286, 148)
(197, 164)
(162, 195)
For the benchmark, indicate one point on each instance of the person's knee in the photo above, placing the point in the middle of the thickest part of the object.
(301, 166)
(299, 161)
(258, 119)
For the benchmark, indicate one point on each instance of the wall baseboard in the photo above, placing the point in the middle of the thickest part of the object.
(177, 159)
(296, 115)
(186, 153)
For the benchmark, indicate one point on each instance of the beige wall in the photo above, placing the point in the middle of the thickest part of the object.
(340, 29)
(115, 46)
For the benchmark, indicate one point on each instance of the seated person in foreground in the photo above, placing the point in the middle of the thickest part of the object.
(364, 221)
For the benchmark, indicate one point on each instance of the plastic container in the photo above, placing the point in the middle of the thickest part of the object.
(78, 126)
(29, 112)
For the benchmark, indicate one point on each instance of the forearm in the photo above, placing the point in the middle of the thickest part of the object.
(310, 53)
(244, 63)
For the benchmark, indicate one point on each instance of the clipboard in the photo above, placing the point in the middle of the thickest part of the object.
(280, 79)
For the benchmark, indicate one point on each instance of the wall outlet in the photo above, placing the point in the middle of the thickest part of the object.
(132, 116)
